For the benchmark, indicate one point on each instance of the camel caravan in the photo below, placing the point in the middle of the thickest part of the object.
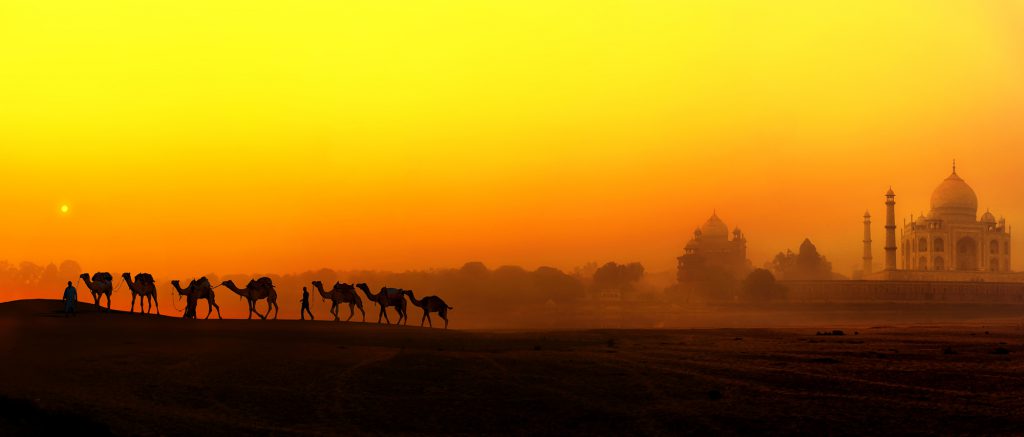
(143, 287)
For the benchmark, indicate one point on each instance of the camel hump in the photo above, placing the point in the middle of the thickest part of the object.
(265, 282)
(144, 278)
(102, 276)
(202, 282)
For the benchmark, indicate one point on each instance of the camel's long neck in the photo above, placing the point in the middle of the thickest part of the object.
(185, 292)
(88, 282)
(238, 291)
(128, 280)
(412, 298)
(369, 295)
(320, 288)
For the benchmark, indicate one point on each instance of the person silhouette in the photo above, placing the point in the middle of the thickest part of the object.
(305, 305)
(70, 297)
(190, 308)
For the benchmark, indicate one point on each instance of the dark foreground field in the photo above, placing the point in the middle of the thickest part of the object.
(131, 374)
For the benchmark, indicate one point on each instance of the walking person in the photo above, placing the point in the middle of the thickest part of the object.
(305, 305)
(70, 297)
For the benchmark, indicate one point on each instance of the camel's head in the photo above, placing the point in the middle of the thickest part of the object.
(176, 283)
(127, 276)
(363, 286)
(319, 285)
(84, 276)
(229, 283)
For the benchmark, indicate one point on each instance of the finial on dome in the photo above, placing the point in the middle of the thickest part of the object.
(954, 166)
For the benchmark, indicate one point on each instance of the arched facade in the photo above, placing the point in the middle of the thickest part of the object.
(952, 237)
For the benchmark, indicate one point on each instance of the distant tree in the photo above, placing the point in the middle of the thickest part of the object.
(474, 269)
(760, 287)
(621, 277)
(556, 285)
(50, 278)
(586, 271)
(69, 269)
(29, 274)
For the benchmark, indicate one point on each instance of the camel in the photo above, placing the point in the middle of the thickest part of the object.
(102, 283)
(430, 304)
(144, 287)
(196, 290)
(257, 290)
(393, 297)
(341, 293)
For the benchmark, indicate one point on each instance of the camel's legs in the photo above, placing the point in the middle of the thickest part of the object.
(149, 302)
(423, 319)
(364, 313)
(383, 312)
(351, 311)
(132, 308)
(157, 303)
(445, 317)
(108, 303)
(431, 322)
(269, 306)
(214, 304)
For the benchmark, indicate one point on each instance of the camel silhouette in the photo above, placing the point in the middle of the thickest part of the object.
(430, 304)
(198, 289)
(256, 290)
(144, 287)
(102, 283)
(387, 297)
(341, 293)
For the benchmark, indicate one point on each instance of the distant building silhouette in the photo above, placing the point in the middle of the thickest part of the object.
(712, 264)
(712, 250)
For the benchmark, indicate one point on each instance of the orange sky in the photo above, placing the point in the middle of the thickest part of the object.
(238, 136)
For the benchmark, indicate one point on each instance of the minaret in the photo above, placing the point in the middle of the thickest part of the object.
(867, 244)
(890, 230)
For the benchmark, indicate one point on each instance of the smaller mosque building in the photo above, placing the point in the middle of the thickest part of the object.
(712, 253)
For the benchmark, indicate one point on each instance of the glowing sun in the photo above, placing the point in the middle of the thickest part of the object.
(64, 209)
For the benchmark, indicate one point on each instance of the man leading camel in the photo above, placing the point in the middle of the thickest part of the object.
(305, 305)
(70, 297)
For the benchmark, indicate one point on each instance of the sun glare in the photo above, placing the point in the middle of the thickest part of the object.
(64, 209)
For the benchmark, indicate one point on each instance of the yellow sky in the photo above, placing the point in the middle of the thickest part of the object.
(278, 136)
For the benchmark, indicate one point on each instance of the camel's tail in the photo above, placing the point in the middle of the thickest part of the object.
(450, 307)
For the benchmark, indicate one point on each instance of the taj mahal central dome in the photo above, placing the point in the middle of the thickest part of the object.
(954, 200)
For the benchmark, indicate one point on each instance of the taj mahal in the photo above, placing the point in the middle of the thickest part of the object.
(950, 243)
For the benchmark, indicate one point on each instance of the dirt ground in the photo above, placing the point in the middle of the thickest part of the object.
(147, 375)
